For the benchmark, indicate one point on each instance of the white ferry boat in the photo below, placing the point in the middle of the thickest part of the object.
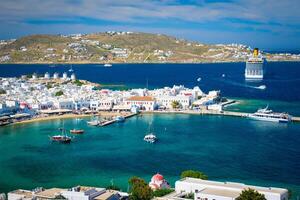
(269, 115)
(107, 65)
(254, 66)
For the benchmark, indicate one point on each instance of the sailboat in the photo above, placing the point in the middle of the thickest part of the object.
(151, 138)
(71, 69)
(61, 138)
(76, 131)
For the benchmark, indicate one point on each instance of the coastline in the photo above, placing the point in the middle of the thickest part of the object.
(67, 116)
(120, 63)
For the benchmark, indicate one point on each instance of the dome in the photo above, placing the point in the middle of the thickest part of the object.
(158, 177)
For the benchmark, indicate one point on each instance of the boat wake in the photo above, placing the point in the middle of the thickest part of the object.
(261, 87)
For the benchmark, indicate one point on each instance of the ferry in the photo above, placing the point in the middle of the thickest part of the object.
(268, 115)
(107, 65)
(151, 138)
(254, 66)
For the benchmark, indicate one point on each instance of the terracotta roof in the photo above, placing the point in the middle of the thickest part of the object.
(158, 177)
(141, 98)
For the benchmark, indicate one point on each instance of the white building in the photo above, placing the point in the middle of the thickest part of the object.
(166, 101)
(158, 182)
(213, 190)
(82, 193)
(20, 195)
(147, 103)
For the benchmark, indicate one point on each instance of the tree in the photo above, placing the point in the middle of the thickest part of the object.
(139, 189)
(59, 93)
(250, 194)
(2, 91)
(193, 174)
(162, 192)
(78, 82)
(175, 104)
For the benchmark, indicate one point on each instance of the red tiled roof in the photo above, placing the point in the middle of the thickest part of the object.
(141, 98)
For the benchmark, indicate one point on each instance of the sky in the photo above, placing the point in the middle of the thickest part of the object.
(267, 24)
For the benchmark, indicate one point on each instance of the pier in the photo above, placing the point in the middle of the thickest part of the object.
(210, 112)
(106, 123)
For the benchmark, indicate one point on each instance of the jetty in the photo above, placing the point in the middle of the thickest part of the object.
(108, 122)
(211, 112)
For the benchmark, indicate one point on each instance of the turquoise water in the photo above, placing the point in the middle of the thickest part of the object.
(225, 148)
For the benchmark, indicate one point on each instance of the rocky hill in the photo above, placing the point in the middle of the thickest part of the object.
(121, 47)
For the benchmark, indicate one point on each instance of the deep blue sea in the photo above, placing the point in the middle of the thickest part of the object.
(225, 148)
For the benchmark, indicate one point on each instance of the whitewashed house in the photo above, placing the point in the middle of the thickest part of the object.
(147, 103)
(214, 190)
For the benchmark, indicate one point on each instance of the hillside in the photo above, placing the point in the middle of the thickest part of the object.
(120, 47)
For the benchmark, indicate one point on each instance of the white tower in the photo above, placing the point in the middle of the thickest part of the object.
(65, 75)
(47, 75)
(34, 76)
(73, 77)
(55, 75)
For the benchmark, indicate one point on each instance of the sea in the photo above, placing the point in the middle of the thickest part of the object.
(225, 148)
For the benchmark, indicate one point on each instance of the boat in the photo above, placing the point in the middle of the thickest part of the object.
(61, 138)
(151, 138)
(93, 122)
(77, 131)
(261, 87)
(71, 69)
(254, 66)
(268, 115)
(199, 79)
(223, 75)
(119, 119)
(107, 65)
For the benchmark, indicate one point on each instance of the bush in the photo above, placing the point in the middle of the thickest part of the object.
(162, 192)
(193, 174)
(251, 194)
(113, 187)
(139, 189)
(78, 82)
(59, 93)
(2, 91)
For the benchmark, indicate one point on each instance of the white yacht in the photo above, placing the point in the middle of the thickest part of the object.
(268, 115)
(93, 122)
(151, 138)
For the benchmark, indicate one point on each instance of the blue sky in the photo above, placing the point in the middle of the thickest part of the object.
(267, 24)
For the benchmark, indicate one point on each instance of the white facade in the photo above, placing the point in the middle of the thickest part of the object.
(146, 103)
(166, 101)
(47, 75)
(73, 77)
(209, 190)
(82, 193)
(65, 76)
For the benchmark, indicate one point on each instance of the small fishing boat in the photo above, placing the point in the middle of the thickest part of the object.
(61, 138)
(261, 87)
(119, 119)
(223, 75)
(199, 79)
(77, 131)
